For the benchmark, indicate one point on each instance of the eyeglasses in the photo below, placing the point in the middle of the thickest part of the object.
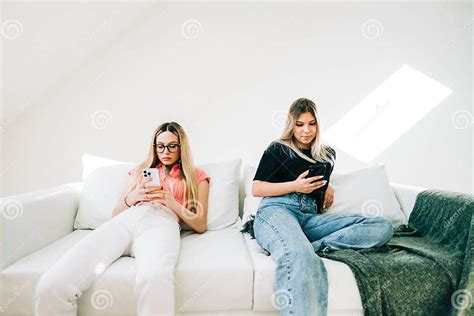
(171, 147)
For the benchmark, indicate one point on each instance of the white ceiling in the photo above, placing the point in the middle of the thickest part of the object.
(53, 40)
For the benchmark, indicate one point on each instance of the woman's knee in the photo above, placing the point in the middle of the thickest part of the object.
(383, 229)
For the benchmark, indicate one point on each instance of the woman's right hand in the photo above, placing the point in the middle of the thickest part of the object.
(308, 185)
(140, 193)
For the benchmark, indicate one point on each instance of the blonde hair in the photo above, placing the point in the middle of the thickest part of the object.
(187, 166)
(319, 151)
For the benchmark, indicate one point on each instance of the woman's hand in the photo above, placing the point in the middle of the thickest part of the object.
(328, 197)
(140, 193)
(303, 185)
(166, 198)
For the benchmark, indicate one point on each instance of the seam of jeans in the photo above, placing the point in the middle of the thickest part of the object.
(286, 257)
(351, 228)
(316, 225)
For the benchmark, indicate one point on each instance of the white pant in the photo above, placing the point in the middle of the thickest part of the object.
(152, 235)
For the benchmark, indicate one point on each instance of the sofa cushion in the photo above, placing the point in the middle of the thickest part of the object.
(223, 204)
(211, 265)
(100, 194)
(366, 191)
(343, 293)
(105, 179)
(251, 203)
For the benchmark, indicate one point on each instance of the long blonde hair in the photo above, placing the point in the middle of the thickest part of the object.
(319, 151)
(187, 166)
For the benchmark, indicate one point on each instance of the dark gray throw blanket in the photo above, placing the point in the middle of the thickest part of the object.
(426, 268)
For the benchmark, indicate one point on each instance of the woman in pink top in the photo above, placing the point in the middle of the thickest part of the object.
(171, 155)
(145, 223)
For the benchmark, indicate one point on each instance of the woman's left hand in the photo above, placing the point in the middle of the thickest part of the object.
(166, 198)
(328, 197)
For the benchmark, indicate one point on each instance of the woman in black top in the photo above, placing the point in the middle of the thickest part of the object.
(280, 163)
(290, 223)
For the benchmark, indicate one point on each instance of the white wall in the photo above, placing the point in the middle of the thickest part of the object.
(250, 61)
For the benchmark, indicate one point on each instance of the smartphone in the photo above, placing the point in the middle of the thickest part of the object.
(317, 170)
(153, 173)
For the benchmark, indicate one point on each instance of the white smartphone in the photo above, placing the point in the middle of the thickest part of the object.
(153, 173)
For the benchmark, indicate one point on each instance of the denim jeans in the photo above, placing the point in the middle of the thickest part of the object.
(288, 227)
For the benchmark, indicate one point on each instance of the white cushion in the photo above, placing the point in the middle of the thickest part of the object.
(251, 203)
(213, 273)
(101, 191)
(223, 204)
(105, 180)
(406, 196)
(367, 192)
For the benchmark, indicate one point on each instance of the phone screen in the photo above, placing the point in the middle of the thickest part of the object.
(316, 170)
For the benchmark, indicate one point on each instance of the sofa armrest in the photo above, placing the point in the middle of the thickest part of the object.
(406, 196)
(30, 221)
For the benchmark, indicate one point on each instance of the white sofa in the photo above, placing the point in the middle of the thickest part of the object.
(221, 272)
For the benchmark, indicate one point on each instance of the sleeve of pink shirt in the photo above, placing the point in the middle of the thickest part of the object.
(201, 175)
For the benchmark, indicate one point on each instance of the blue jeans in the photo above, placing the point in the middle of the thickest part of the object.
(288, 227)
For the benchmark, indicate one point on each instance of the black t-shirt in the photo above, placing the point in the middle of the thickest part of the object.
(276, 165)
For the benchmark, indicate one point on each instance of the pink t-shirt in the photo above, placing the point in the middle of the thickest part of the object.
(173, 181)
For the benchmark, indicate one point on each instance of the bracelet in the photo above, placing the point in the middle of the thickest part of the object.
(125, 200)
